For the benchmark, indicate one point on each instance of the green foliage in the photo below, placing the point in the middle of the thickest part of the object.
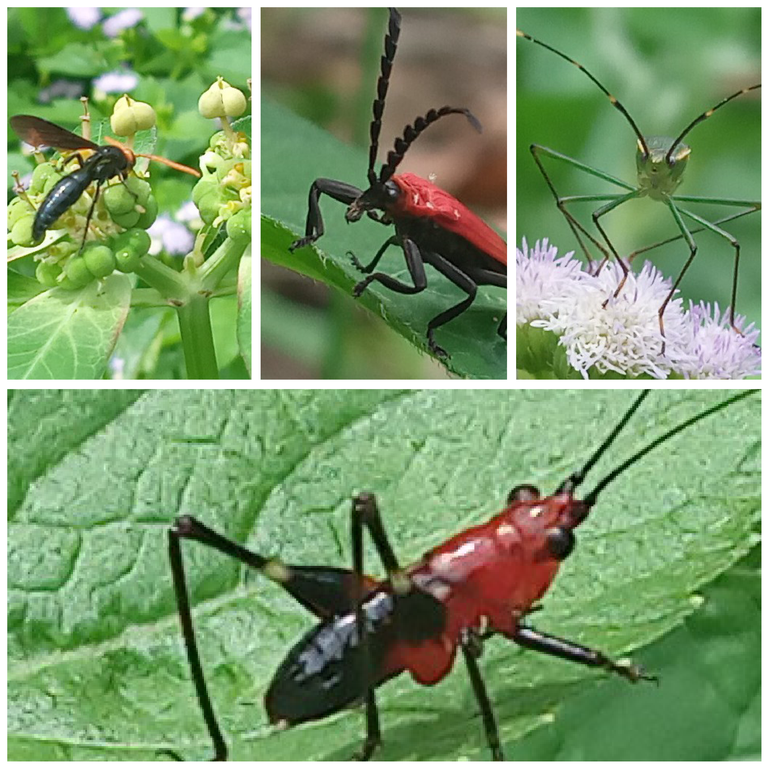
(666, 66)
(300, 152)
(173, 57)
(96, 669)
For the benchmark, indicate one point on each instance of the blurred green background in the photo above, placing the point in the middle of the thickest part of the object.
(666, 66)
(322, 64)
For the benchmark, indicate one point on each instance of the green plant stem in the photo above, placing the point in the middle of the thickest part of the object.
(171, 285)
(197, 338)
(221, 263)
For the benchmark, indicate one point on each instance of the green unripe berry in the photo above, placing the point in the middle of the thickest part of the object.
(239, 226)
(21, 232)
(100, 260)
(77, 272)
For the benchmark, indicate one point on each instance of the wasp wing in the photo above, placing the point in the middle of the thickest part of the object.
(41, 133)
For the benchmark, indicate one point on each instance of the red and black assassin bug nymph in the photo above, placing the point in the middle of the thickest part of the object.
(484, 581)
(431, 226)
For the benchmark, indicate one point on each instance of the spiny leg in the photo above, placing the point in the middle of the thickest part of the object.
(576, 226)
(632, 256)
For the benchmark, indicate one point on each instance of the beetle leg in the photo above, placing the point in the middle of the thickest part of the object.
(368, 268)
(338, 190)
(413, 261)
(472, 646)
(565, 649)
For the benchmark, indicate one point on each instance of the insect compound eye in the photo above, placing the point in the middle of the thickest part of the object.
(391, 191)
(560, 542)
(523, 493)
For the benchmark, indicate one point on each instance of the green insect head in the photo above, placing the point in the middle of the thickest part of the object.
(660, 166)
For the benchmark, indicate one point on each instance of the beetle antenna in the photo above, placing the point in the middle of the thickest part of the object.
(703, 116)
(412, 132)
(390, 48)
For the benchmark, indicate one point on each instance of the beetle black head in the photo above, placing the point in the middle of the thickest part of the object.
(411, 132)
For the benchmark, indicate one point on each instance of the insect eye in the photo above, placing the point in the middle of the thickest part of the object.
(523, 493)
(560, 542)
(391, 190)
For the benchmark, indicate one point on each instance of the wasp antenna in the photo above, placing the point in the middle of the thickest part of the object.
(387, 59)
(412, 132)
(591, 498)
(703, 116)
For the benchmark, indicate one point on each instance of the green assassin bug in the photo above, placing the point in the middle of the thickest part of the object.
(661, 163)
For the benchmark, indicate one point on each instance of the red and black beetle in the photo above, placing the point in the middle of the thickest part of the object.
(484, 581)
(431, 226)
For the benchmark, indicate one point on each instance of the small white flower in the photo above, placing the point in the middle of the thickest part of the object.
(539, 274)
(720, 352)
(620, 333)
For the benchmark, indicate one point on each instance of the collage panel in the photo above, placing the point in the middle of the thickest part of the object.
(384, 136)
(638, 193)
(318, 545)
(130, 193)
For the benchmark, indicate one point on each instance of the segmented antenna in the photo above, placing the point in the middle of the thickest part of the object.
(616, 103)
(387, 59)
(702, 117)
(410, 132)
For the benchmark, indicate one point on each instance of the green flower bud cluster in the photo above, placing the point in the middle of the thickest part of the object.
(122, 251)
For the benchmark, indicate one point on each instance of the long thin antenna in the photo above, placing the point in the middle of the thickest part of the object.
(577, 478)
(703, 116)
(591, 498)
(616, 103)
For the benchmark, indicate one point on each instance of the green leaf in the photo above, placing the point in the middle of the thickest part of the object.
(96, 666)
(68, 334)
(295, 153)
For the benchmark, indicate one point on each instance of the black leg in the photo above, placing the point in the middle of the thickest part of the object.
(338, 190)
(324, 591)
(415, 266)
(471, 645)
(565, 649)
(419, 615)
(190, 643)
(368, 268)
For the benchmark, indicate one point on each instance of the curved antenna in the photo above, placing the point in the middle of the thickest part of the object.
(388, 57)
(702, 117)
(616, 103)
(412, 132)
(591, 497)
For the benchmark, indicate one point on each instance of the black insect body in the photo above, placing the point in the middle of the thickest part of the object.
(106, 162)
